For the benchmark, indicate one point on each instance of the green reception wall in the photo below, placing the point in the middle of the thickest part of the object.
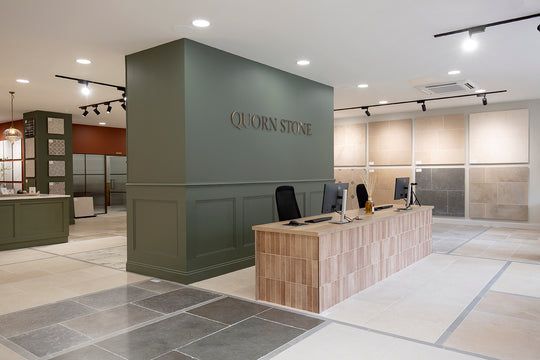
(210, 136)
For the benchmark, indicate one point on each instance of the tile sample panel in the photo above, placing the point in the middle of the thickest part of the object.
(390, 142)
(30, 168)
(350, 145)
(500, 193)
(500, 137)
(30, 148)
(439, 140)
(385, 183)
(57, 188)
(57, 147)
(442, 188)
(55, 126)
(353, 177)
(57, 168)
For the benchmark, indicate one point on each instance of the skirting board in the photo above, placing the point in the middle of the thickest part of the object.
(492, 223)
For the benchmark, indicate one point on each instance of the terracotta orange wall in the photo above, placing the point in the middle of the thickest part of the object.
(98, 140)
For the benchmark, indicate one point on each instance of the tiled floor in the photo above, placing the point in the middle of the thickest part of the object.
(476, 297)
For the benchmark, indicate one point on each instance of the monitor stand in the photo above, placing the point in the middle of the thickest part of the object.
(342, 219)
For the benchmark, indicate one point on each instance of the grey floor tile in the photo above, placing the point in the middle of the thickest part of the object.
(160, 286)
(88, 353)
(49, 340)
(114, 297)
(27, 320)
(249, 339)
(176, 300)
(160, 337)
(174, 355)
(292, 319)
(228, 310)
(109, 321)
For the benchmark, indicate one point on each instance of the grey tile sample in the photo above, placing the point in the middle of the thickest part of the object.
(55, 126)
(30, 168)
(57, 168)
(228, 310)
(291, 319)
(111, 298)
(29, 148)
(160, 337)
(49, 340)
(57, 188)
(249, 339)
(88, 353)
(57, 147)
(176, 300)
(443, 188)
(159, 287)
(27, 320)
(174, 355)
(108, 321)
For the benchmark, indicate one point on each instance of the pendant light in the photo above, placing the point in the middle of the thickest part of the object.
(11, 134)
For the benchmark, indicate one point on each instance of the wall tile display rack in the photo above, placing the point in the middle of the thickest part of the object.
(350, 145)
(443, 188)
(390, 142)
(439, 140)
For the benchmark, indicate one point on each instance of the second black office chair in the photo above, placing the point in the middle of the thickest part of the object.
(287, 207)
(362, 195)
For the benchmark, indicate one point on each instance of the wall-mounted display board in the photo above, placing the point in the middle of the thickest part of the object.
(443, 188)
(353, 177)
(385, 183)
(500, 193)
(439, 140)
(350, 145)
(390, 142)
(500, 137)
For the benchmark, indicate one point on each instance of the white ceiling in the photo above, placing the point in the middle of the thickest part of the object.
(386, 43)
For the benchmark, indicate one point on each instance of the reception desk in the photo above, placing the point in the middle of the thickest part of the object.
(33, 220)
(316, 266)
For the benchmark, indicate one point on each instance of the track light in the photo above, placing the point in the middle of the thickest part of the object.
(367, 111)
(124, 96)
(96, 110)
(85, 90)
(109, 108)
(85, 112)
(423, 104)
(123, 105)
(484, 100)
(538, 28)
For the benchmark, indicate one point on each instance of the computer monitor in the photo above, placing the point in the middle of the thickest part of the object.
(401, 190)
(333, 197)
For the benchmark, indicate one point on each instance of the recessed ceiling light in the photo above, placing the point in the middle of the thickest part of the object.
(382, 102)
(363, 86)
(454, 72)
(102, 123)
(84, 61)
(303, 62)
(469, 44)
(22, 81)
(478, 91)
(201, 23)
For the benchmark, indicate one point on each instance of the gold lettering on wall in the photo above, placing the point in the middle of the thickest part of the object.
(241, 121)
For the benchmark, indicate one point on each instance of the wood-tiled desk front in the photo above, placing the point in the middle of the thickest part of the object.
(316, 266)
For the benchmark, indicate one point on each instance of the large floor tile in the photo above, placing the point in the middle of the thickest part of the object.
(88, 353)
(27, 320)
(176, 300)
(516, 306)
(174, 355)
(73, 247)
(49, 340)
(114, 257)
(8, 354)
(522, 279)
(16, 256)
(161, 337)
(228, 310)
(159, 286)
(291, 319)
(106, 322)
(114, 297)
(347, 343)
(239, 283)
(249, 339)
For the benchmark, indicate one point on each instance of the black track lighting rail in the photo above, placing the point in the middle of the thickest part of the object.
(422, 101)
(108, 103)
(86, 82)
(481, 28)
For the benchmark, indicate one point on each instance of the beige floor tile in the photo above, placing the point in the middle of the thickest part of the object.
(347, 343)
(74, 247)
(522, 279)
(16, 256)
(8, 354)
(239, 283)
(517, 306)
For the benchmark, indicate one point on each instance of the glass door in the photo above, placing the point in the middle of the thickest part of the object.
(89, 179)
(116, 182)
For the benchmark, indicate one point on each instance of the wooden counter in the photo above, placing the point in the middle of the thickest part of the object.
(316, 266)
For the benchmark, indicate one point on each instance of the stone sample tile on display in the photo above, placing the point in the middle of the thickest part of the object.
(57, 147)
(55, 126)
(29, 148)
(500, 193)
(439, 140)
(443, 188)
(500, 137)
(385, 184)
(390, 142)
(353, 177)
(57, 188)
(350, 145)
(57, 168)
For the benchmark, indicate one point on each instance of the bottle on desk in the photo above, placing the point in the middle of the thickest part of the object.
(369, 207)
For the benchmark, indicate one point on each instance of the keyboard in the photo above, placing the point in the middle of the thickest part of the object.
(318, 220)
(382, 207)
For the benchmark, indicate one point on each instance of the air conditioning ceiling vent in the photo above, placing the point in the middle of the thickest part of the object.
(463, 86)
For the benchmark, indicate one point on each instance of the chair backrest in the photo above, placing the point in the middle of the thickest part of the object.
(287, 207)
(362, 195)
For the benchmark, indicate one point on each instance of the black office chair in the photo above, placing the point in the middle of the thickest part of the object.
(287, 207)
(362, 195)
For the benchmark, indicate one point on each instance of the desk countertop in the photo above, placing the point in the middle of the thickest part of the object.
(31, 197)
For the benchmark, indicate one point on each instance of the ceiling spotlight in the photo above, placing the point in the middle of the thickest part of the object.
(85, 112)
(454, 72)
(383, 102)
(469, 44)
(102, 123)
(362, 86)
(423, 104)
(538, 28)
(484, 100)
(201, 23)
(85, 90)
(84, 61)
(124, 96)
(22, 81)
(303, 62)
(96, 110)
(367, 111)
(123, 105)
(109, 108)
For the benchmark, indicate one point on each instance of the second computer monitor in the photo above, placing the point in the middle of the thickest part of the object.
(333, 197)
(401, 190)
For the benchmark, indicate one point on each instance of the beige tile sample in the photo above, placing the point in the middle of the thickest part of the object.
(500, 137)
(352, 176)
(440, 140)
(385, 183)
(390, 142)
(500, 193)
(350, 145)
